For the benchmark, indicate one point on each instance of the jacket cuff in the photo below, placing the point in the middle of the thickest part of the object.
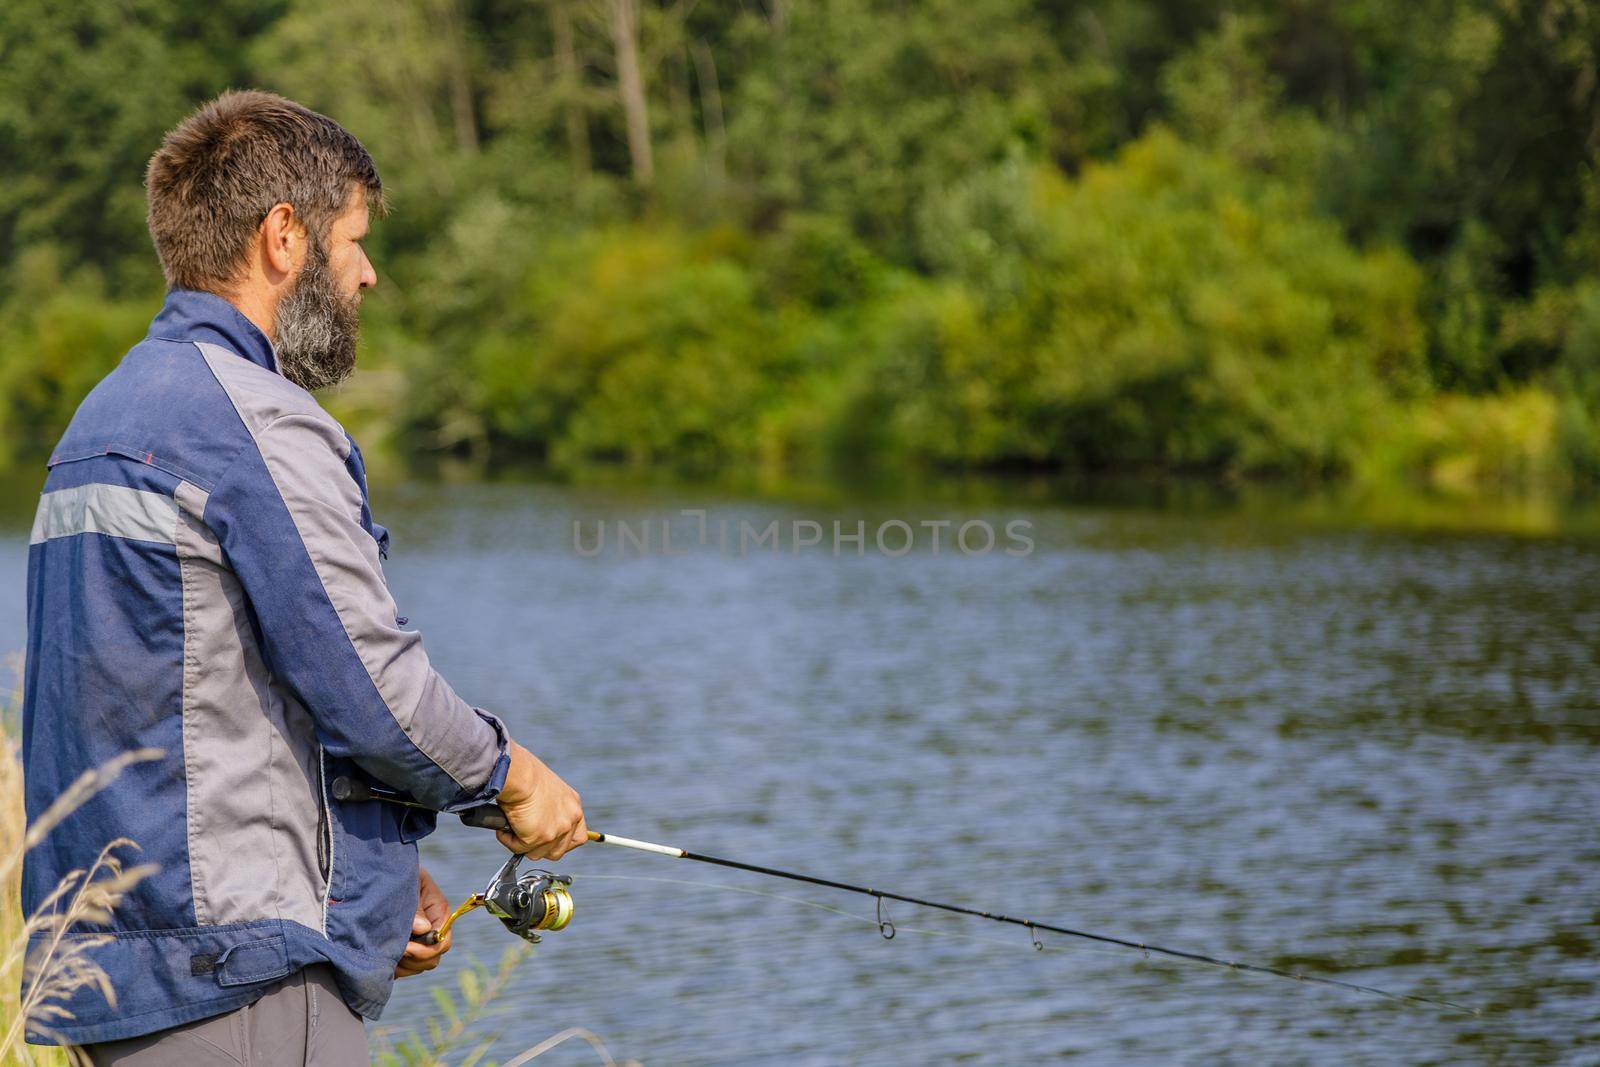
(497, 775)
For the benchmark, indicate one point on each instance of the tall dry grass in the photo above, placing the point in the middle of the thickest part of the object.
(62, 927)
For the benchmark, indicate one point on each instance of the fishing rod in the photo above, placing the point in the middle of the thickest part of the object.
(540, 900)
(887, 929)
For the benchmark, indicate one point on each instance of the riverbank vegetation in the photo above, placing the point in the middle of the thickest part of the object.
(1325, 240)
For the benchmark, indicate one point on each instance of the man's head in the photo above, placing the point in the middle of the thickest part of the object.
(265, 203)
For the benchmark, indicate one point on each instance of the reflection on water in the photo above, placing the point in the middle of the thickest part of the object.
(1366, 754)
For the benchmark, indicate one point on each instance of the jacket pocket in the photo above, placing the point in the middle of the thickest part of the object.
(253, 961)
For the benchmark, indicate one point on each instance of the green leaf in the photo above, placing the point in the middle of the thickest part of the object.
(445, 1003)
(477, 1053)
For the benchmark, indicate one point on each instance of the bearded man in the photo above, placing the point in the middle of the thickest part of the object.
(204, 579)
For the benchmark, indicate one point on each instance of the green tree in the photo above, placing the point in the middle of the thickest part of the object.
(1171, 309)
(858, 110)
(86, 91)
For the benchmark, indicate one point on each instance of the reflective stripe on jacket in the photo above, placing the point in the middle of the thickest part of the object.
(204, 579)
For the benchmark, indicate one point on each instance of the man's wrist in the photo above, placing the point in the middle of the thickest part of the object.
(520, 775)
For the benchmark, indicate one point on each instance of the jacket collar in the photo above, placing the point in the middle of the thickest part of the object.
(189, 315)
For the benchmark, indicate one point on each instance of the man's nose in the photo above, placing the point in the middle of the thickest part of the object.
(369, 277)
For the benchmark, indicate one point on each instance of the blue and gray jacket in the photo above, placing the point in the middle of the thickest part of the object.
(204, 579)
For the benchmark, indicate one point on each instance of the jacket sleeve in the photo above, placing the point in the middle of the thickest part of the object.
(287, 513)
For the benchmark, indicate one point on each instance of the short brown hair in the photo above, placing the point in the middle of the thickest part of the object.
(219, 171)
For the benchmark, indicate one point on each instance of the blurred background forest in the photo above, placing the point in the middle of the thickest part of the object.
(1316, 239)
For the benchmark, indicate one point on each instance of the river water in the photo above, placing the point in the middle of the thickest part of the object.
(1367, 755)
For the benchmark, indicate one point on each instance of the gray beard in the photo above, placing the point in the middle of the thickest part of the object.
(317, 329)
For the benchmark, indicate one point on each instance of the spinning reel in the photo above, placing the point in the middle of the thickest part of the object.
(539, 900)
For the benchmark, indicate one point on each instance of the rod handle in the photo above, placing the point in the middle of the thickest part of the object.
(486, 816)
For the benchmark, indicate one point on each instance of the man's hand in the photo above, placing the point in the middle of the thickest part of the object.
(432, 910)
(545, 813)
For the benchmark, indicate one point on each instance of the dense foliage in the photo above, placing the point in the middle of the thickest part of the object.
(1317, 238)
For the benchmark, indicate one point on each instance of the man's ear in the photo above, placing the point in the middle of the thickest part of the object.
(282, 241)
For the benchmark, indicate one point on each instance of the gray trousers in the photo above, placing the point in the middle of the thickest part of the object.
(298, 1022)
